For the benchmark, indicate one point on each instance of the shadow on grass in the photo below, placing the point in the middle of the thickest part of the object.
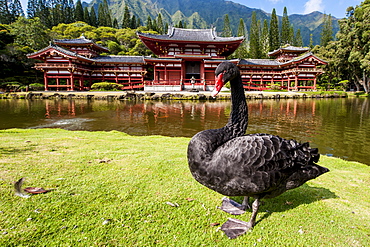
(304, 194)
(10, 150)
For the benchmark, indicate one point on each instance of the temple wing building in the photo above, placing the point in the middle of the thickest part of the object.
(185, 59)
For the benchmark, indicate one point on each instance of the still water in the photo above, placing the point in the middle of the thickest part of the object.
(338, 127)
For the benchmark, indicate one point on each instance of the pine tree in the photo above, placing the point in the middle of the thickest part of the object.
(327, 31)
(126, 18)
(79, 12)
(285, 28)
(93, 19)
(15, 10)
(5, 17)
(242, 51)
(255, 47)
(32, 8)
(133, 22)
(160, 26)
(180, 25)
(115, 23)
(104, 16)
(44, 13)
(87, 17)
(149, 23)
(138, 22)
(311, 41)
(298, 39)
(226, 31)
(265, 39)
(274, 39)
(69, 12)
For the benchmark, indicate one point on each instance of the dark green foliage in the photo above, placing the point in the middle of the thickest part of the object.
(297, 41)
(149, 23)
(79, 12)
(126, 18)
(105, 86)
(274, 39)
(160, 26)
(104, 16)
(255, 42)
(32, 8)
(327, 31)
(93, 19)
(285, 29)
(226, 31)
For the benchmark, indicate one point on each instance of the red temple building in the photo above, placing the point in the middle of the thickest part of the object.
(186, 59)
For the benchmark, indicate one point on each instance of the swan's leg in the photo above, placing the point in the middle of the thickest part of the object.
(245, 202)
(234, 228)
(232, 207)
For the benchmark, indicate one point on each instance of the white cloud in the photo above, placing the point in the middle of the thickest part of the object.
(313, 5)
(275, 1)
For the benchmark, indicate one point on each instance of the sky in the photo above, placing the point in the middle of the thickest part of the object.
(336, 8)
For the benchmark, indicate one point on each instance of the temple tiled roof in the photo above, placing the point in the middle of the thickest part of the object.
(80, 40)
(289, 49)
(181, 34)
(60, 49)
(120, 59)
(264, 62)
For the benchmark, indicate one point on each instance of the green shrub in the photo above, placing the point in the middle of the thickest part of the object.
(36, 86)
(105, 86)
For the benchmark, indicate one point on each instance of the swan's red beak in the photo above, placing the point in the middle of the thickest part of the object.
(218, 85)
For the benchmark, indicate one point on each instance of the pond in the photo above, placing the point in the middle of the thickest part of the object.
(338, 127)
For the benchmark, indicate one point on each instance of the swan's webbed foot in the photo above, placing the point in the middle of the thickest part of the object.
(233, 228)
(232, 207)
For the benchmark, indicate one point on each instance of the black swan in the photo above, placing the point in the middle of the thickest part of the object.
(256, 165)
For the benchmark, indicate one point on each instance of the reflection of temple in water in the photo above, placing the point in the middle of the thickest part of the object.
(185, 118)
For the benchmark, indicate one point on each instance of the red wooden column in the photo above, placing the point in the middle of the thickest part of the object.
(46, 82)
(314, 82)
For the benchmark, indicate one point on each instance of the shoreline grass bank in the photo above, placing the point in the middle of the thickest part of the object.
(181, 95)
(113, 189)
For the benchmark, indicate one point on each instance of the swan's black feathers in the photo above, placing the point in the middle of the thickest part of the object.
(255, 165)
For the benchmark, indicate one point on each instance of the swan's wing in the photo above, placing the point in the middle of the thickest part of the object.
(255, 164)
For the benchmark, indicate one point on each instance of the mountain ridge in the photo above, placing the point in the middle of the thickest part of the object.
(208, 13)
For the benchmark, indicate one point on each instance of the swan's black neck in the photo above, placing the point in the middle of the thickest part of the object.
(238, 120)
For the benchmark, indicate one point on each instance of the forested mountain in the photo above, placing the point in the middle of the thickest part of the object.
(207, 13)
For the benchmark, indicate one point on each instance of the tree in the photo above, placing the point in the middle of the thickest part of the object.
(79, 12)
(104, 16)
(149, 24)
(242, 51)
(298, 39)
(274, 39)
(30, 32)
(4, 12)
(126, 18)
(93, 19)
(327, 31)
(32, 8)
(44, 13)
(86, 16)
(255, 45)
(226, 31)
(160, 26)
(265, 39)
(15, 9)
(285, 29)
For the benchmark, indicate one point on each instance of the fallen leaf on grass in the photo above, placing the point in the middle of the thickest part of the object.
(190, 199)
(215, 224)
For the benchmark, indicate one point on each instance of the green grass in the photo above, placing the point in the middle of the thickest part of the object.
(128, 180)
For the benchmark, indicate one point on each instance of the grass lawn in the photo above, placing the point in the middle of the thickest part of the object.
(112, 189)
